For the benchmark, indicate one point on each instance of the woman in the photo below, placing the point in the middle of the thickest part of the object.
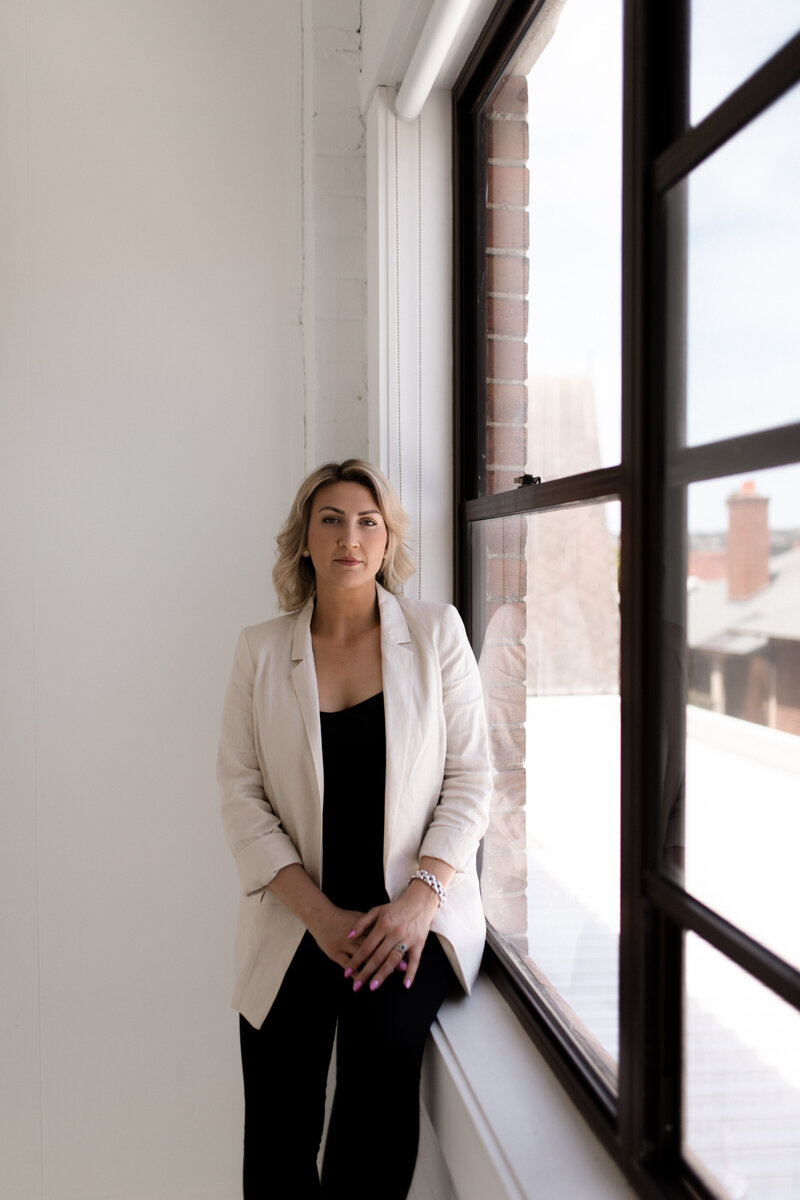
(355, 787)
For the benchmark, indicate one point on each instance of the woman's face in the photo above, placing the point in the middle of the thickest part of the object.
(346, 536)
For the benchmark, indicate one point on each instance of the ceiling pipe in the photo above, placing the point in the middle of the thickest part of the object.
(438, 35)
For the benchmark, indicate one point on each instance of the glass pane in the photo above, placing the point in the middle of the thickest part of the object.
(553, 270)
(740, 226)
(740, 646)
(730, 40)
(547, 612)
(742, 1084)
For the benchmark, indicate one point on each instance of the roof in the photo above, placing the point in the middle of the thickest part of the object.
(742, 626)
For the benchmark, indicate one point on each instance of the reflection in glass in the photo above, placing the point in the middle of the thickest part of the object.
(742, 1084)
(548, 615)
(742, 735)
(730, 40)
(741, 223)
(553, 268)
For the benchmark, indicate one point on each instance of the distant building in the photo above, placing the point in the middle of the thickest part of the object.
(744, 624)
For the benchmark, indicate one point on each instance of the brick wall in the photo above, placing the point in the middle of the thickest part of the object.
(748, 543)
(503, 659)
(507, 242)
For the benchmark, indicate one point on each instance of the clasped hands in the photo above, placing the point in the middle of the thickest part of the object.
(367, 944)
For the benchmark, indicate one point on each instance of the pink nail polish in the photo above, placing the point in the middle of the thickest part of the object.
(348, 972)
(402, 965)
(376, 983)
(352, 933)
(407, 983)
(357, 985)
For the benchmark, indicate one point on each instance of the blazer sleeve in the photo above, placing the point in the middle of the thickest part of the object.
(259, 844)
(462, 813)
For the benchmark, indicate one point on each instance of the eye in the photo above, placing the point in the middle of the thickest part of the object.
(330, 520)
(369, 521)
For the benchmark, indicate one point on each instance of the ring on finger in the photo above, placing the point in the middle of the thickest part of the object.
(401, 946)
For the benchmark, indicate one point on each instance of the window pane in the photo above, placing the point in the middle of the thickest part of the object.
(553, 138)
(742, 1085)
(742, 726)
(548, 617)
(730, 40)
(741, 229)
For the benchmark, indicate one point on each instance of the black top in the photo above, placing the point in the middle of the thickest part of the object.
(354, 765)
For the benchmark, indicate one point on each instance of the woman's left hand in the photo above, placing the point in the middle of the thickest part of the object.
(404, 921)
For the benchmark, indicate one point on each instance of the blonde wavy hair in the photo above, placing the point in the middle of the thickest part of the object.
(293, 574)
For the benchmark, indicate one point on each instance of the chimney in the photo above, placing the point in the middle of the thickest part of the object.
(748, 542)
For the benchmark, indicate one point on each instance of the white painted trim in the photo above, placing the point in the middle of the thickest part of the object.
(390, 31)
(505, 1126)
(308, 313)
(435, 43)
(380, 189)
(409, 271)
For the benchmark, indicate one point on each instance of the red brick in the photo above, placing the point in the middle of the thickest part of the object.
(505, 663)
(509, 916)
(506, 535)
(507, 273)
(510, 788)
(497, 618)
(508, 578)
(788, 719)
(507, 747)
(507, 446)
(508, 185)
(747, 543)
(500, 481)
(492, 607)
(507, 229)
(503, 896)
(506, 360)
(507, 317)
(506, 704)
(507, 402)
(507, 829)
(505, 872)
(511, 96)
(510, 620)
(507, 140)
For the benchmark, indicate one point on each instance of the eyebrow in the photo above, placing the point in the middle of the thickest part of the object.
(368, 512)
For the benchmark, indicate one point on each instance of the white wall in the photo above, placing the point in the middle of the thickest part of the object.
(152, 393)
(335, 295)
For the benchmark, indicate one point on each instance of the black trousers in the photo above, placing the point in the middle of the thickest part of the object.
(372, 1140)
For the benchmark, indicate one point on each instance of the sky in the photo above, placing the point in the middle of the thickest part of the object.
(743, 230)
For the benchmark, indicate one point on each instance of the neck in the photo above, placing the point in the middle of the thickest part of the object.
(345, 613)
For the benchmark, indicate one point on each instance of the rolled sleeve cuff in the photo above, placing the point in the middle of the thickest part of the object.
(260, 860)
(451, 846)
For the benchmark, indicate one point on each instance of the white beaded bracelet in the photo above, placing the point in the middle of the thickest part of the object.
(432, 882)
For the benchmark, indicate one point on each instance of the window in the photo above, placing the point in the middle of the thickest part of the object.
(628, 560)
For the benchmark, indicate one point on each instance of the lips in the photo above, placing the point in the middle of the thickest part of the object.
(348, 562)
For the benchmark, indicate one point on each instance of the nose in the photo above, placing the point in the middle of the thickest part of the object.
(349, 535)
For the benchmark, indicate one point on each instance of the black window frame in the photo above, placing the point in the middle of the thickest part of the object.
(640, 1125)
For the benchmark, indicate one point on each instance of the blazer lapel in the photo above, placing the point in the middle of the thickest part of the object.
(304, 679)
(397, 654)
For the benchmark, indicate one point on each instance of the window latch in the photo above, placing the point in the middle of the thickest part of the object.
(527, 480)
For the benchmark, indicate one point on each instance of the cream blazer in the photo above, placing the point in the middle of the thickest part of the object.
(438, 779)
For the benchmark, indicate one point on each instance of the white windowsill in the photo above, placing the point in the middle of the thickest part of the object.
(505, 1126)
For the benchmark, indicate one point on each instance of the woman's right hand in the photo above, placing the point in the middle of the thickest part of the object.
(330, 929)
(327, 924)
